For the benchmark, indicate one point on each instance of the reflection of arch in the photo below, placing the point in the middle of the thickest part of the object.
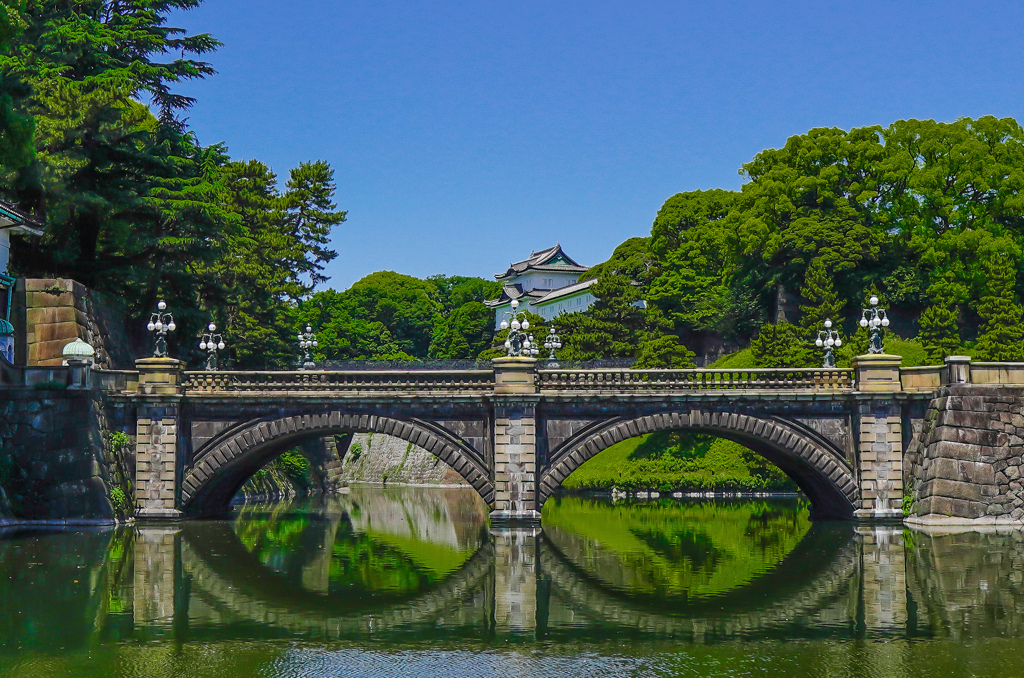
(813, 462)
(227, 461)
(227, 577)
(817, 573)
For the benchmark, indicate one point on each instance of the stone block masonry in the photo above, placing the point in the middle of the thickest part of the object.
(966, 463)
(382, 459)
(56, 461)
(50, 313)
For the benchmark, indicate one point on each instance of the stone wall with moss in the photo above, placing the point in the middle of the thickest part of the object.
(381, 459)
(64, 457)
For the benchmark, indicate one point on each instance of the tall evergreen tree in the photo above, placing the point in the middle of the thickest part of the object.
(822, 301)
(1002, 333)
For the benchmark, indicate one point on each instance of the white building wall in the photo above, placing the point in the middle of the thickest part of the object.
(5, 249)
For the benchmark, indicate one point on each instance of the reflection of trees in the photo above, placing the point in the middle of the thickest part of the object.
(688, 550)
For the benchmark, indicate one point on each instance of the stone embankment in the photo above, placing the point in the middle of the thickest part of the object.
(965, 465)
(385, 460)
(59, 461)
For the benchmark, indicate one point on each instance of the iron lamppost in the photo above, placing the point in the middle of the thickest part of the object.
(876, 319)
(307, 342)
(517, 343)
(828, 339)
(161, 323)
(211, 343)
(552, 342)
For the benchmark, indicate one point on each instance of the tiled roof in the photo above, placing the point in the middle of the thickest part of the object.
(510, 292)
(13, 218)
(565, 291)
(538, 261)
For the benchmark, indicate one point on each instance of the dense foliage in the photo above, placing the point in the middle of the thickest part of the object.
(928, 215)
(133, 204)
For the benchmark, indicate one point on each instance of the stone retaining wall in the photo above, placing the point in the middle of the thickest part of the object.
(58, 461)
(966, 461)
(50, 313)
(382, 459)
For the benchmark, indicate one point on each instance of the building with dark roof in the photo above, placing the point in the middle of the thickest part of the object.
(545, 283)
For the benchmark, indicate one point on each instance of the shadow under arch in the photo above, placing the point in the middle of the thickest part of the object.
(222, 465)
(814, 463)
(818, 572)
(227, 576)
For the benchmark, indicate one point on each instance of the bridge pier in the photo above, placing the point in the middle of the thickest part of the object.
(156, 443)
(879, 437)
(515, 402)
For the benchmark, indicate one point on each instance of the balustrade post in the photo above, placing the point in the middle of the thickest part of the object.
(156, 443)
(958, 369)
(514, 428)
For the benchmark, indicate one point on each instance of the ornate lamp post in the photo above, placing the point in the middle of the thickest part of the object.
(531, 346)
(307, 342)
(828, 339)
(211, 343)
(552, 342)
(161, 323)
(875, 318)
(517, 343)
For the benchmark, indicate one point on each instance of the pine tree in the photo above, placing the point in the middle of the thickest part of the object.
(822, 301)
(1002, 335)
(782, 345)
(939, 332)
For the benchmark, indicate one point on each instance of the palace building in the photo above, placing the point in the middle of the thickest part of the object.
(546, 283)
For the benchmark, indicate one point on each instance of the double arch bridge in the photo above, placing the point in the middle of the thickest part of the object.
(516, 431)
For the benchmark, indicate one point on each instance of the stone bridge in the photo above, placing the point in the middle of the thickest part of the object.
(516, 431)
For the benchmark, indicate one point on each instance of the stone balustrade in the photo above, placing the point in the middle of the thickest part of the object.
(632, 381)
(200, 383)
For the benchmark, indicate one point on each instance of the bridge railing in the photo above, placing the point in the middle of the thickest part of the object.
(355, 381)
(623, 380)
(1003, 374)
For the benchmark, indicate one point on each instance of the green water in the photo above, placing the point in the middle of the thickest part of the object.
(412, 582)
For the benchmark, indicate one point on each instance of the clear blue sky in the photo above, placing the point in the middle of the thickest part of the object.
(465, 134)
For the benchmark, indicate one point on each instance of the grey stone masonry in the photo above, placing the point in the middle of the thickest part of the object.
(515, 459)
(967, 460)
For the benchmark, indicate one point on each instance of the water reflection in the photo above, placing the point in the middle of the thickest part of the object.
(423, 567)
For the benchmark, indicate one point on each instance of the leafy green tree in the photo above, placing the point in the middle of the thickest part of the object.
(464, 334)
(822, 301)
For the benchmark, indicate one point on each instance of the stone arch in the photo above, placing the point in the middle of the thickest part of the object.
(817, 466)
(223, 465)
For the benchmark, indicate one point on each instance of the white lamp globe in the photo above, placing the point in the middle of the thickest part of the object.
(526, 344)
(221, 345)
(515, 324)
(150, 326)
(308, 328)
(885, 322)
(171, 326)
(504, 325)
(212, 327)
(830, 342)
(159, 325)
(839, 342)
(818, 342)
(515, 303)
(828, 324)
(526, 324)
(508, 344)
(162, 305)
(863, 322)
(202, 345)
(873, 300)
(316, 343)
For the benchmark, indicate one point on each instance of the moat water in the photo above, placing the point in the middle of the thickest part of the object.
(412, 582)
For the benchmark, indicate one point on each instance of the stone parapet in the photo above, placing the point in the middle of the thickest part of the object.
(878, 372)
(515, 375)
(160, 376)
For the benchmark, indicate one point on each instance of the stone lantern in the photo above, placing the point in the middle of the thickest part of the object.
(79, 356)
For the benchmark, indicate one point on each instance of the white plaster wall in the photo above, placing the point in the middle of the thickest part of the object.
(5, 249)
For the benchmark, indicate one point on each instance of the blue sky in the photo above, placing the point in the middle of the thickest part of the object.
(465, 134)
